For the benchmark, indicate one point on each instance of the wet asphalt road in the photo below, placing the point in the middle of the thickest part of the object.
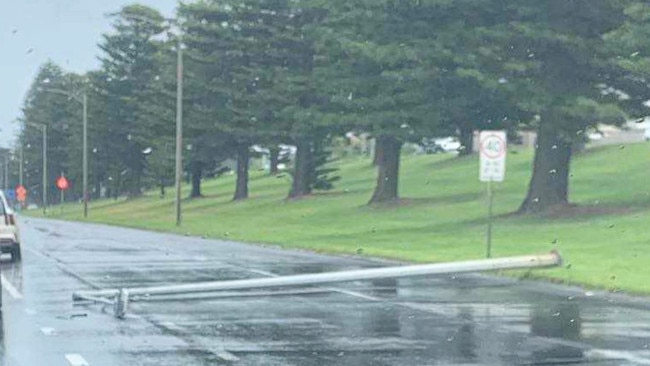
(449, 320)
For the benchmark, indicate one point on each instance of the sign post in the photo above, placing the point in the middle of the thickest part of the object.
(62, 184)
(492, 168)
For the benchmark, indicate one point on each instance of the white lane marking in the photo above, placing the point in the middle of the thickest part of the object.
(10, 288)
(605, 354)
(48, 331)
(30, 311)
(353, 294)
(171, 326)
(75, 359)
(226, 356)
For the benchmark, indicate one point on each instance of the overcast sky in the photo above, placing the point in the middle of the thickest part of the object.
(65, 31)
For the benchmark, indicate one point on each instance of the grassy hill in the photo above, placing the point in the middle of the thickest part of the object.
(605, 239)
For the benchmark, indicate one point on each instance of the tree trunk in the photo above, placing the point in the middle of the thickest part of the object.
(162, 188)
(549, 185)
(98, 189)
(135, 190)
(118, 187)
(466, 141)
(197, 175)
(274, 157)
(378, 156)
(243, 159)
(388, 170)
(302, 171)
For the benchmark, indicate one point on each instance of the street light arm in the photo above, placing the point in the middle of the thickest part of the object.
(66, 93)
(34, 124)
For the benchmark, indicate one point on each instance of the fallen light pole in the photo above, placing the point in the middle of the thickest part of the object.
(122, 296)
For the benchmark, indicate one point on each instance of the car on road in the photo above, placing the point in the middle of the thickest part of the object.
(9, 233)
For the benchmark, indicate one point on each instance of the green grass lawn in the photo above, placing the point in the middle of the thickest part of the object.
(605, 240)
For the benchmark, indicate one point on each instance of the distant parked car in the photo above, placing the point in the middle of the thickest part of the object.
(441, 145)
(594, 136)
(9, 233)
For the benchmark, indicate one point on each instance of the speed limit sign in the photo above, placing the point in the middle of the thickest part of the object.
(492, 147)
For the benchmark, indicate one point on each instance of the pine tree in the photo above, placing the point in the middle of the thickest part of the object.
(130, 65)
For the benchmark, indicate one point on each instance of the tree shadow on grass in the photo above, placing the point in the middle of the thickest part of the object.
(458, 198)
(579, 212)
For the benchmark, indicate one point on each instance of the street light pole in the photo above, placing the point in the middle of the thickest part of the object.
(85, 153)
(179, 130)
(6, 185)
(84, 101)
(44, 169)
(20, 173)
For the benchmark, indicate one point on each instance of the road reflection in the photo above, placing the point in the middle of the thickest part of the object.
(12, 271)
(11, 275)
(560, 321)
